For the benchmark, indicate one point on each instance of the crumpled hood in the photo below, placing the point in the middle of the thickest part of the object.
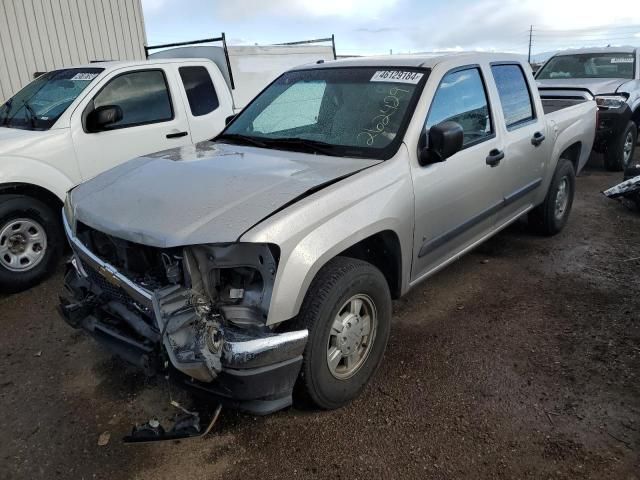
(597, 86)
(203, 193)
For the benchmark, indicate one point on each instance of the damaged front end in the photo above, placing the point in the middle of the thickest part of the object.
(198, 312)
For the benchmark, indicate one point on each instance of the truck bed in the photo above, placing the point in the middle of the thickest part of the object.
(573, 118)
(551, 104)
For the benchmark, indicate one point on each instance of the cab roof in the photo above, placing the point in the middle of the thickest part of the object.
(115, 64)
(419, 60)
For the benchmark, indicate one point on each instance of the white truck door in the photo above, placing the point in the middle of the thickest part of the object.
(456, 200)
(526, 148)
(207, 97)
(153, 119)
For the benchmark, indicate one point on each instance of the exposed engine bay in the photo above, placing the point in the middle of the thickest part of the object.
(200, 310)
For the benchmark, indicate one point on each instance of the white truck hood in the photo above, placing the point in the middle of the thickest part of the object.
(203, 193)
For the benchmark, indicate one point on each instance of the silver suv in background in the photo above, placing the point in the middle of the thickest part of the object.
(612, 76)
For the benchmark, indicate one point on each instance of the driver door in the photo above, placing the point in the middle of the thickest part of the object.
(457, 200)
(154, 119)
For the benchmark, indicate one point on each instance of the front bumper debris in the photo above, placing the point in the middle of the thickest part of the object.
(186, 426)
(253, 369)
(629, 189)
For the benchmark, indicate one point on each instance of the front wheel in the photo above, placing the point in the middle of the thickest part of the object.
(620, 152)
(30, 242)
(347, 311)
(551, 216)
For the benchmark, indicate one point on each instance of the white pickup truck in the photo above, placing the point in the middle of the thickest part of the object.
(69, 125)
(271, 254)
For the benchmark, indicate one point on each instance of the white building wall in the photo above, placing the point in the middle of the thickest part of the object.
(42, 35)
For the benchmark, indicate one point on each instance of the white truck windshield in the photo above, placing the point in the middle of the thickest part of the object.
(589, 65)
(38, 105)
(359, 112)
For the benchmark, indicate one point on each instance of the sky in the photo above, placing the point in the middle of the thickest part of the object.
(364, 27)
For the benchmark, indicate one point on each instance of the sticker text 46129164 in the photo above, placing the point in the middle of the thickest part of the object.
(396, 76)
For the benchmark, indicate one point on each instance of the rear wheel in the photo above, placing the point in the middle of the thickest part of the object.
(620, 152)
(30, 242)
(551, 216)
(347, 311)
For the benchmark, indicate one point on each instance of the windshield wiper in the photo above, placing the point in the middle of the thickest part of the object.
(314, 146)
(5, 120)
(241, 139)
(32, 113)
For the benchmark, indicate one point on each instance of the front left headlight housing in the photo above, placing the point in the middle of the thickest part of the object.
(610, 101)
(68, 211)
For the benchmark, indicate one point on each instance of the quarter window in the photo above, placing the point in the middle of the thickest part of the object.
(200, 91)
(142, 96)
(514, 94)
(461, 97)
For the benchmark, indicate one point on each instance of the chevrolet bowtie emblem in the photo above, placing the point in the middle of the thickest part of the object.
(109, 276)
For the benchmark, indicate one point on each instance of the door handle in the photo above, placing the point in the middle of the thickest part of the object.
(177, 134)
(537, 139)
(494, 157)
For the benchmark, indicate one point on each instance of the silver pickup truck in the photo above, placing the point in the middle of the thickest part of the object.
(270, 256)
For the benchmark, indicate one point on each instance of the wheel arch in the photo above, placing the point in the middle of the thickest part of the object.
(572, 153)
(384, 252)
(35, 191)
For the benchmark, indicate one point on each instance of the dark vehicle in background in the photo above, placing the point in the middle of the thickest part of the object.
(612, 76)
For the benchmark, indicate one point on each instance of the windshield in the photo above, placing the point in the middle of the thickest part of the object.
(589, 65)
(360, 112)
(38, 105)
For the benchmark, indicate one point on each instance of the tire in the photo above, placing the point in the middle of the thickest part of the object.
(21, 216)
(545, 218)
(620, 152)
(342, 283)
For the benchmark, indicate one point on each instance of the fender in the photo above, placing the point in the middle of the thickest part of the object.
(42, 158)
(332, 220)
(34, 172)
(580, 131)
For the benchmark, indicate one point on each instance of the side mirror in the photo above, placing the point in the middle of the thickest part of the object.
(445, 140)
(229, 119)
(102, 117)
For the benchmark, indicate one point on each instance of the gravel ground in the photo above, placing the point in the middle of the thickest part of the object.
(522, 360)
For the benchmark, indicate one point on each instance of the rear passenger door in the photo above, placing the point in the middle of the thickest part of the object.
(153, 119)
(525, 144)
(207, 106)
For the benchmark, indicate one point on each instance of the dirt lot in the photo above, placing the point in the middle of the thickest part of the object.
(522, 360)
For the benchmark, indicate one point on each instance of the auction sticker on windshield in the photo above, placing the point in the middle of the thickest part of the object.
(622, 60)
(397, 76)
(84, 76)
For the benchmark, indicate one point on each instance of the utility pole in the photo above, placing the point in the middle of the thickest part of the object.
(530, 38)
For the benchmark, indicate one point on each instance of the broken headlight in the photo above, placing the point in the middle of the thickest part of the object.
(237, 278)
(68, 210)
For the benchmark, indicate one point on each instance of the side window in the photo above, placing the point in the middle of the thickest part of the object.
(514, 94)
(461, 97)
(200, 91)
(297, 106)
(143, 97)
